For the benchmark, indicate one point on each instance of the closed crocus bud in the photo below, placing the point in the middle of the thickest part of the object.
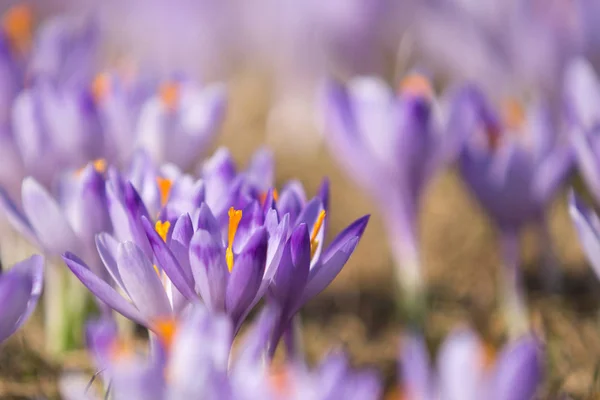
(391, 144)
(514, 163)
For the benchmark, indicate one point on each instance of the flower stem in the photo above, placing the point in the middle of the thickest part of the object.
(513, 297)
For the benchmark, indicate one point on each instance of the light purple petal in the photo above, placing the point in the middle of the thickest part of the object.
(414, 368)
(47, 219)
(182, 233)
(107, 250)
(168, 262)
(142, 282)
(334, 259)
(17, 219)
(246, 276)
(33, 269)
(102, 290)
(518, 372)
(460, 366)
(207, 258)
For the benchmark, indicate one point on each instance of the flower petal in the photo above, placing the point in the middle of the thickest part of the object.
(102, 290)
(47, 219)
(246, 276)
(107, 250)
(587, 225)
(207, 258)
(142, 282)
(168, 262)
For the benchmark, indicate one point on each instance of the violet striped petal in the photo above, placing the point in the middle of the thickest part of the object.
(168, 262)
(207, 258)
(142, 282)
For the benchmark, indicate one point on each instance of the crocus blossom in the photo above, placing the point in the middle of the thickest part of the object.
(391, 145)
(514, 163)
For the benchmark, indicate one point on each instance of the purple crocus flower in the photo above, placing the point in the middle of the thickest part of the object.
(20, 289)
(513, 163)
(466, 371)
(391, 145)
(179, 122)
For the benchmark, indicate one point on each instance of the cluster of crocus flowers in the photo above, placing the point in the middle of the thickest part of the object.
(219, 239)
(59, 111)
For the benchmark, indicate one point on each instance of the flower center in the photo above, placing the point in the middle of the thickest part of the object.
(169, 94)
(17, 23)
(99, 165)
(263, 196)
(164, 187)
(162, 228)
(279, 379)
(165, 329)
(314, 242)
(416, 84)
(100, 87)
(235, 216)
(513, 114)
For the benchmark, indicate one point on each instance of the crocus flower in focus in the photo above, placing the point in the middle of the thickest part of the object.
(179, 122)
(20, 289)
(467, 369)
(513, 163)
(391, 145)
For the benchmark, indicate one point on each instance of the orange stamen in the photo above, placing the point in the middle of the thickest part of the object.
(235, 216)
(169, 94)
(416, 85)
(120, 349)
(488, 355)
(165, 329)
(263, 196)
(17, 24)
(99, 166)
(162, 228)
(100, 87)
(164, 187)
(314, 243)
(279, 378)
(513, 114)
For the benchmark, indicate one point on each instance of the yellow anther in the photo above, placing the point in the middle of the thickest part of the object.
(169, 94)
(416, 85)
(314, 243)
(513, 114)
(17, 24)
(157, 271)
(162, 228)
(165, 329)
(100, 87)
(235, 216)
(279, 379)
(164, 187)
(99, 165)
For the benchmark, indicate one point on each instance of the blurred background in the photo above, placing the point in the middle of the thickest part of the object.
(273, 55)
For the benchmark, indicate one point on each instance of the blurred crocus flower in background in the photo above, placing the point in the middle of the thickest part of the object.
(514, 162)
(468, 369)
(58, 221)
(391, 144)
(20, 289)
